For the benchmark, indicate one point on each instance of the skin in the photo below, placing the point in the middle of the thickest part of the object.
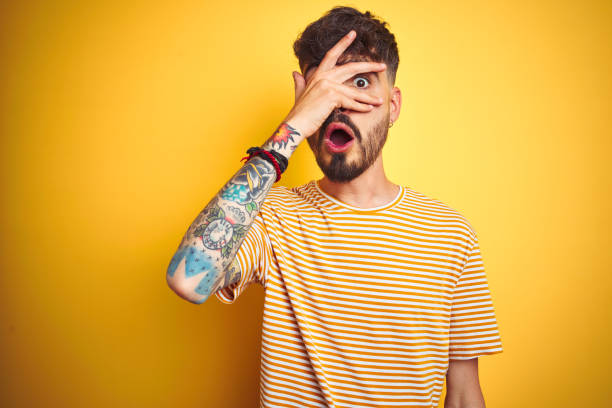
(205, 260)
(463, 386)
(371, 188)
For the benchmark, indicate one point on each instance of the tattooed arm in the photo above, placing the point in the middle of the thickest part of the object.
(205, 261)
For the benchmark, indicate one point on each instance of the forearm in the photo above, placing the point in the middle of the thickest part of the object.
(464, 405)
(463, 385)
(201, 264)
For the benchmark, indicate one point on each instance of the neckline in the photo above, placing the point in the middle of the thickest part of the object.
(383, 207)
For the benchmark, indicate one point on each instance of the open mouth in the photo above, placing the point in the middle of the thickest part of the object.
(338, 137)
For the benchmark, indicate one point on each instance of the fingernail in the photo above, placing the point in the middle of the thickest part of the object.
(352, 33)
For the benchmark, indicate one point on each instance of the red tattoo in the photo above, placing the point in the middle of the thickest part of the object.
(283, 135)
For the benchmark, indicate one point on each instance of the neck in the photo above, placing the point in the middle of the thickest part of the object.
(368, 190)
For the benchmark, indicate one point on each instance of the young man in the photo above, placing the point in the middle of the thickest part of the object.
(373, 291)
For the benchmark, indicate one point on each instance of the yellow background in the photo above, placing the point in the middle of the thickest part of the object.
(120, 120)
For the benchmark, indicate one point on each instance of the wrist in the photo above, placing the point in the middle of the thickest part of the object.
(284, 140)
(277, 160)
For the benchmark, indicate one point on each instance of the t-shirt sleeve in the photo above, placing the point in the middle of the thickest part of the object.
(253, 260)
(473, 326)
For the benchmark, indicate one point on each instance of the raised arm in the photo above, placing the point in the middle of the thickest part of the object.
(205, 259)
(201, 264)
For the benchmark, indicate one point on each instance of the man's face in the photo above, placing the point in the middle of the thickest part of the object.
(349, 142)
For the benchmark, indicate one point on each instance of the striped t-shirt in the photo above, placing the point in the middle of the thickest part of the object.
(363, 307)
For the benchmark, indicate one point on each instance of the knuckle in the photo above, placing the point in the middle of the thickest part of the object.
(326, 84)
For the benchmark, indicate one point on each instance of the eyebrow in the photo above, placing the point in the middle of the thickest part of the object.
(368, 74)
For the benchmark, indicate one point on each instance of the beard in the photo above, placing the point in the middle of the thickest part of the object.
(338, 168)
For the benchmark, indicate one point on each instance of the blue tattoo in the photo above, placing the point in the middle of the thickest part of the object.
(199, 302)
(249, 185)
(196, 261)
(205, 285)
(237, 192)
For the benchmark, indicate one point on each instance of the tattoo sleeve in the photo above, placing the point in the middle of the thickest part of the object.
(205, 260)
(284, 140)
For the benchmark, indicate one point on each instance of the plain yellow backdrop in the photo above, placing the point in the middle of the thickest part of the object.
(120, 120)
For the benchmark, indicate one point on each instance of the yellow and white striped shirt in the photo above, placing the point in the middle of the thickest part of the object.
(363, 308)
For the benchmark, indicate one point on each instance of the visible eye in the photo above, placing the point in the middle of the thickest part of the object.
(361, 82)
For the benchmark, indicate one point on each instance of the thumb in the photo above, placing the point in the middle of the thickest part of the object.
(299, 84)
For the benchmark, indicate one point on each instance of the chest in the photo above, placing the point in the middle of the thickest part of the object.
(387, 262)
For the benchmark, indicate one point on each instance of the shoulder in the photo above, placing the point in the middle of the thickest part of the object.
(438, 212)
(282, 198)
(282, 195)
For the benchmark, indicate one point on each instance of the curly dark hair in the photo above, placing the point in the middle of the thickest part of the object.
(374, 42)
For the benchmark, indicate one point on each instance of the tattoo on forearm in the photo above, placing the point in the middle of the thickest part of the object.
(221, 233)
(283, 136)
(237, 214)
(250, 185)
(212, 240)
(233, 273)
(196, 262)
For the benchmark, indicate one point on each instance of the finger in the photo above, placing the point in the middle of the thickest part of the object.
(345, 71)
(332, 55)
(299, 84)
(352, 104)
(358, 95)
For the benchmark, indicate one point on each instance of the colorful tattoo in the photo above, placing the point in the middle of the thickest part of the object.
(221, 227)
(221, 233)
(217, 234)
(237, 214)
(233, 274)
(208, 284)
(238, 193)
(250, 184)
(283, 135)
(196, 261)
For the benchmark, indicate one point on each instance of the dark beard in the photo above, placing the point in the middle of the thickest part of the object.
(338, 170)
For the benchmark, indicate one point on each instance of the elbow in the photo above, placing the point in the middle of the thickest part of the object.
(193, 287)
(185, 291)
